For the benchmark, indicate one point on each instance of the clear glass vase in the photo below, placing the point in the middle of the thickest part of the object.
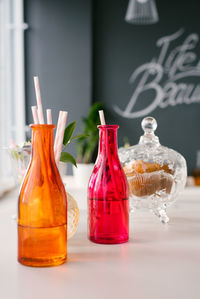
(20, 157)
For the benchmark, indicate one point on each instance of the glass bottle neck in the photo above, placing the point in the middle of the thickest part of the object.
(108, 140)
(42, 142)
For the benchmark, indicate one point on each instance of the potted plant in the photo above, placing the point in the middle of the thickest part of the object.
(86, 145)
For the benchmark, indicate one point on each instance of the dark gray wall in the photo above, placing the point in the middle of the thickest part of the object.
(120, 48)
(58, 50)
(66, 38)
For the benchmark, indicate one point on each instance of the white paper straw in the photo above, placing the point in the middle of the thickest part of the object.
(102, 118)
(57, 130)
(59, 142)
(49, 117)
(39, 100)
(35, 114)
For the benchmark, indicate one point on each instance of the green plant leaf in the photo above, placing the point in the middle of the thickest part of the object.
(89, 149)
(68, 132)
(80, 136)
(86, 146)
(67, 158)
(94, 111)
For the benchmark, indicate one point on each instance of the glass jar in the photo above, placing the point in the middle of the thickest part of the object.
(156, 174)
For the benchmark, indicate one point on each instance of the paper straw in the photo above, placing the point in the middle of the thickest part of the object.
(35, 114)
(57, 130)
(59, 142)
(39, 100)
(102, 118)
(49, 117)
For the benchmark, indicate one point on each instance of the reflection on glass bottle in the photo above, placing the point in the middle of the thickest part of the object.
(196, 171)
(42, 207)
(108, 206)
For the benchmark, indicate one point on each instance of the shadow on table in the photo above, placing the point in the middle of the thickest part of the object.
(80, 249)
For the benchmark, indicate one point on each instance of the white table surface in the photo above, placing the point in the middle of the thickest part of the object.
(159, 262)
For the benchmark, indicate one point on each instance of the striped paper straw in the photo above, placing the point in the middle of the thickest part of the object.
(49, 117)
(35, 114)
(102, 118)
(39, 100)
(57, 130)
(59, 142)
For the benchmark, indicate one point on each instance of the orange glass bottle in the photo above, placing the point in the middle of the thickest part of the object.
(42, 206)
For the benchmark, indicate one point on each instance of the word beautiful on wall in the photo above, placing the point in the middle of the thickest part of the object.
(178, 63)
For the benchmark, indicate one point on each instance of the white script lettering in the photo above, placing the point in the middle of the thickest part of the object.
(181, 62)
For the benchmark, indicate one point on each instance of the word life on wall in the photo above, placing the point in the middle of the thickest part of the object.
(166, 76)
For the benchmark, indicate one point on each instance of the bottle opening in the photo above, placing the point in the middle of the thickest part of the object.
(108, 127)
(45, 126)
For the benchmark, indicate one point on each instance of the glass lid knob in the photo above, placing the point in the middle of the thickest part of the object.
(149, 125)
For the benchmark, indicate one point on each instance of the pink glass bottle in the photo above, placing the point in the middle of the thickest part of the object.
(108, 206)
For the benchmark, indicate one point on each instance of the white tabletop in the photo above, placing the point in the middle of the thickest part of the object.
(159, 262)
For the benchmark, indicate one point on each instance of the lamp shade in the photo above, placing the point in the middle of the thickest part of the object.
(142, 12)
